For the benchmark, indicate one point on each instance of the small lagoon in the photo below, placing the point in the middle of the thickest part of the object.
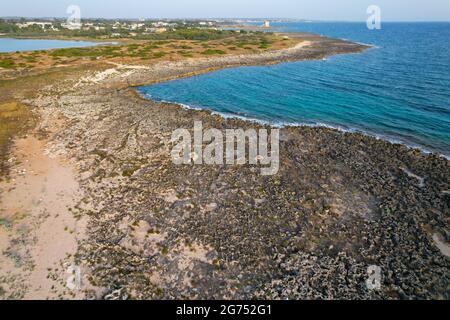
(13, 45)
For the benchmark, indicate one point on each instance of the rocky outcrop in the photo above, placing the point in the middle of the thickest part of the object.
(341, 202)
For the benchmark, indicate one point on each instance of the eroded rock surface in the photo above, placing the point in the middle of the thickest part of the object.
(340, 203)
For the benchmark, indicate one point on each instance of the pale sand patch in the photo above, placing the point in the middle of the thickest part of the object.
(97, 77)
(128, 66)
(170, 196)
(411, 174)
(37, 200)
(300, 45)
(188, 255)
(442, 245)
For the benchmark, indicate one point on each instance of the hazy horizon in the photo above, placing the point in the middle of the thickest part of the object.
(320, 10)
(221, 18)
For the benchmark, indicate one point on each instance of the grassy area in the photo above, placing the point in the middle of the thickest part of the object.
(165, 47)
(14, 119)
(104, 51)
(191, 34)
(6, 63)
(210, 52)
(172, 45)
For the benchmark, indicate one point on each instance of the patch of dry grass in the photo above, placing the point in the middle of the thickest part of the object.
(14, 119)
(144, 51)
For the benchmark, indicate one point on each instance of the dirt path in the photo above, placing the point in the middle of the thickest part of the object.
(38, 232)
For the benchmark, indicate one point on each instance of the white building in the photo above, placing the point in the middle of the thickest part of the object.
(43, 25)
(136, 26)
(160, 24)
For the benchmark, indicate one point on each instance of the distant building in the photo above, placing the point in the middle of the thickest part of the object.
(136, 26)
(266, 24)
(72, 26)
(160, 24)
(43, 25)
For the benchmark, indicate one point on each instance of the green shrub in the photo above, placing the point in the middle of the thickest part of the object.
(210, 52)
(7, 63)
(160, 54)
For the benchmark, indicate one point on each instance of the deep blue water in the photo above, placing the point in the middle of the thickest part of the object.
(399, 90)
(13, 45)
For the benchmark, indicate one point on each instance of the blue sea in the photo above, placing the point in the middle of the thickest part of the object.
(398, 90)
(13, 45)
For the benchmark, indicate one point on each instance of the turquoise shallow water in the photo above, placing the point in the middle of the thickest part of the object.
(13, 45)
(399, 90)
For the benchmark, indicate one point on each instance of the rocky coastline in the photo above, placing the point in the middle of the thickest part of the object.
(340, 203)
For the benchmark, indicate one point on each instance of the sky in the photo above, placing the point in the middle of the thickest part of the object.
(342, 10)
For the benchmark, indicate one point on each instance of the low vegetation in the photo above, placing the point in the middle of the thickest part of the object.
(14, 119)
(35, 68)
(6, 63)
(172, 45)
(213, 52)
